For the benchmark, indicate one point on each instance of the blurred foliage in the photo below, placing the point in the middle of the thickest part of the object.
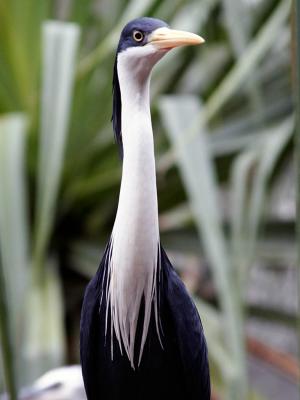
(229, 144)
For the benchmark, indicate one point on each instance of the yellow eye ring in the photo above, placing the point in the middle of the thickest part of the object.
(138, 36)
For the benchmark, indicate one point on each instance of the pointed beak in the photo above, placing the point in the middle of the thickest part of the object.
(165, 38)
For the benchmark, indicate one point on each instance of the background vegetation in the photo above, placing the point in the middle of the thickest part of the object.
(223, 118)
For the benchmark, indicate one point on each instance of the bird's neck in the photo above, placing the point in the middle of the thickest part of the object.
(138, 194)
(135, 237)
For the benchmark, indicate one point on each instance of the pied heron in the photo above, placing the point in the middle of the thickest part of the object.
(141, 335)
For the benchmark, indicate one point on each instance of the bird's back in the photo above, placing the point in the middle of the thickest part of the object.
(178, 370)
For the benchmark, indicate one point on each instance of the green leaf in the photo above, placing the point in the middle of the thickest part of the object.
(243, 165)
(60, 42)
(238, 21)
(271, 148)
(44, 336)
(250, 59)
(249, 198)
(13, 237)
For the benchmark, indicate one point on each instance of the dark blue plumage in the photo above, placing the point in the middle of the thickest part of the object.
(145, 25)
(179, 370)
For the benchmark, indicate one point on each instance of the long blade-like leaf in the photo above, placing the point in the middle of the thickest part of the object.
(270, 150)
(238, 20)
(13, 228)
(44, 341)
(247, 216)
(250, 59)
(60, 42)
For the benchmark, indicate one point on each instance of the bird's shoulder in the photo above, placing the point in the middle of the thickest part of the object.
(177, 296)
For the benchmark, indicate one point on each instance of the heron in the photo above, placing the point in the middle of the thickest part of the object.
(141, 336)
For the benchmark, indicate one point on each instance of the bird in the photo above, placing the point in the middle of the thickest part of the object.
(141, 336)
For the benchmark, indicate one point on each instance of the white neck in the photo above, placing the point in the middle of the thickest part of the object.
(135, 236)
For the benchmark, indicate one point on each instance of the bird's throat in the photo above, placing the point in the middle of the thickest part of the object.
(137, 215)
(135, 237)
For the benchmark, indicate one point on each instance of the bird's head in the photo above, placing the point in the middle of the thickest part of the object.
(143, 42)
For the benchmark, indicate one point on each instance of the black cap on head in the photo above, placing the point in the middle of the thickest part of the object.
(145, 26)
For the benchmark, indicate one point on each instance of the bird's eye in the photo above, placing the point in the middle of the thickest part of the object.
(138, 36)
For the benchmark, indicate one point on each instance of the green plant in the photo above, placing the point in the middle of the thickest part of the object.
(59, 182)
